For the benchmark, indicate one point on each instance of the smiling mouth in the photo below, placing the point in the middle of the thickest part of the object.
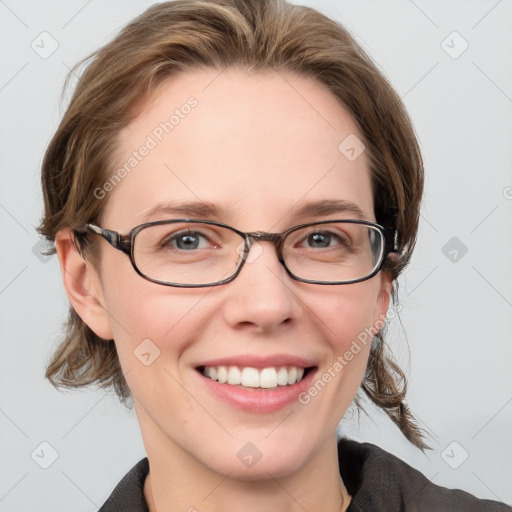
(273, 377)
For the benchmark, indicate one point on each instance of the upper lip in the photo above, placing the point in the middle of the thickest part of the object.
(254, 361)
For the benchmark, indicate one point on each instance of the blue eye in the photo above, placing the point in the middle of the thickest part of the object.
(324, 239)
(187, 241)
(319, 240)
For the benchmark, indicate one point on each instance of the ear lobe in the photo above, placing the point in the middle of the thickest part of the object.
(82, 285)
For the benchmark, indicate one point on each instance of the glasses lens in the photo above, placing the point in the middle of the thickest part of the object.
(187, 253)
(334, 251)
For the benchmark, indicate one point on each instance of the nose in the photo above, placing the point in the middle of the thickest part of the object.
(261, 298)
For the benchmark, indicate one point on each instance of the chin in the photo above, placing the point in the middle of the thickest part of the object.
(248, 461)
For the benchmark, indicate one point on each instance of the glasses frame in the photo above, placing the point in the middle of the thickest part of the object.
(126, 243)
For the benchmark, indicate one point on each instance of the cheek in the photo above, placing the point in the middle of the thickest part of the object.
(150, 323)
(155, 333)
(348, 315)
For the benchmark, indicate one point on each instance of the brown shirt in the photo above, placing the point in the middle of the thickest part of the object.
(376, 480)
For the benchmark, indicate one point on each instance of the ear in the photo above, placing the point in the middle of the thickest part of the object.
(382, 301)
(82, 285)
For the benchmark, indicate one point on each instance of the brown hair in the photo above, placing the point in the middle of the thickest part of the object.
(243, 34)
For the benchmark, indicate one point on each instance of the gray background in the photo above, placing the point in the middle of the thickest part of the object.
(455, 342)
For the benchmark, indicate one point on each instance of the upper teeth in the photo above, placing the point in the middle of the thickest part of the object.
(254, 378)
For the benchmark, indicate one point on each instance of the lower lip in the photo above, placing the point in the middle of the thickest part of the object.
(258, 400)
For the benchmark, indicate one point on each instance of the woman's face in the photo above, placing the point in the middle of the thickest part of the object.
(258, 147)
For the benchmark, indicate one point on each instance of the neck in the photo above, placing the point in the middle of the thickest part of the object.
(272, 500)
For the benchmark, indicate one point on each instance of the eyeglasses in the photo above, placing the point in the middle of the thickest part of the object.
(193, 253)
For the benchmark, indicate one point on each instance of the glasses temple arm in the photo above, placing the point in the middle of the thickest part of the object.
(114, 238)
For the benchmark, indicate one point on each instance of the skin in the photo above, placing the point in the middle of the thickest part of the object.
(257, 145)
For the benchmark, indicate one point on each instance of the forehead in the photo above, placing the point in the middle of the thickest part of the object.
(258, 146)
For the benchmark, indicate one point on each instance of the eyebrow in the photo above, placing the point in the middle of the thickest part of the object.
(189, 209)
(206, 210)
(328, 207)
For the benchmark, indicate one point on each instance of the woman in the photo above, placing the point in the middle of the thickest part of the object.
(264, 181)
